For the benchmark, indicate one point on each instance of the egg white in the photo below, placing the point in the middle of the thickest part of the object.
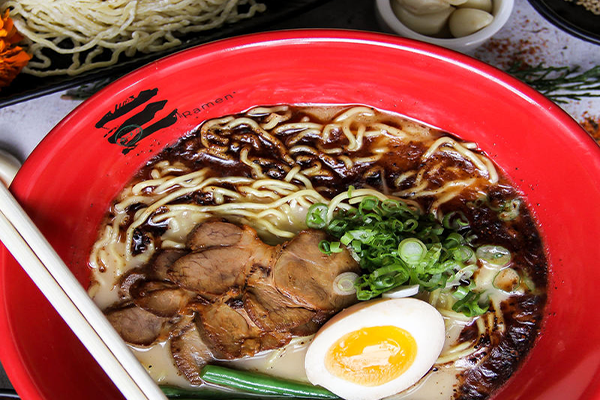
(419, 318)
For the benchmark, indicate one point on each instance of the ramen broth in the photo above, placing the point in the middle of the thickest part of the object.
(264, 168)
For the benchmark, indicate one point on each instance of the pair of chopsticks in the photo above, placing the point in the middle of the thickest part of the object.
(47, 270)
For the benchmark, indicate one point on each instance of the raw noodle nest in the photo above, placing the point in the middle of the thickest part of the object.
(95, 33)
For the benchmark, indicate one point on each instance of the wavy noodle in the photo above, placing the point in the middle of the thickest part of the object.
(88, 30)
(266, 196)
(448, 144)
(256, 199)
(486, 325)
(357, 141)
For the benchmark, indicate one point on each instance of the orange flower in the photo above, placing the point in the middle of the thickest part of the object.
(12, 58)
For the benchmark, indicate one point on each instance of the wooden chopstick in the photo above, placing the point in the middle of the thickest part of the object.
(47, 270)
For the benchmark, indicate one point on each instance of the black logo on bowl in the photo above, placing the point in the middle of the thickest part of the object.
(140, 123)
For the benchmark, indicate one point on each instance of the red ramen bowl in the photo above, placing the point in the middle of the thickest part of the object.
(70, 179)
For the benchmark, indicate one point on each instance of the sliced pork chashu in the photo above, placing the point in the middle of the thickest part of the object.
(155, 270)
(163, 299)
(138, 326)
(214, 234)
(270, 309)
(190, 353)
(230, 333)
(243, 295)
(306, 275)
(215, 270)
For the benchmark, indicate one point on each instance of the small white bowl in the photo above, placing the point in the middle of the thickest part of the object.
(390, 22)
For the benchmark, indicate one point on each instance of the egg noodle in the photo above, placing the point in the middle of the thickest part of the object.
(276, 208)
(96, 32)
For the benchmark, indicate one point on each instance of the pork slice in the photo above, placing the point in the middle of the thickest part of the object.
(268, 308)
(136, 325)
(214, 271)
(214, 234)
(131, 278)
(190, 353)
(160, 298)
(156, 270)
(310, 328)
(306, 275)
(159, 266)
(229, 333)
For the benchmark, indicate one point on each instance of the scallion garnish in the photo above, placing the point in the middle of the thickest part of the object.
(412, 250)
(510, 210)
(469, 305)
(507, 209)
(317, 216)
(398, 246)
(344, 283)
(495, 255)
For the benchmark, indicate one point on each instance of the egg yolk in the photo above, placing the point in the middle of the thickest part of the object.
(372, 356)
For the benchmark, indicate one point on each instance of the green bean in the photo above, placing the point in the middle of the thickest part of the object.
(254, 382)
(205, 393)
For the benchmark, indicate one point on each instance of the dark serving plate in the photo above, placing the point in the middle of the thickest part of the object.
(571, 18)
(26, 87)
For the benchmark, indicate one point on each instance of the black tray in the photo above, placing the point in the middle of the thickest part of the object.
(571, 18)
(26, 87)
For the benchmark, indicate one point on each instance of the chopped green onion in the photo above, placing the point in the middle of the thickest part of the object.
(464, 254)
(401, 291)
(412, 250)
(316, 217)
(507, 280)
(410, 225)
(454, 239)
(469, 305)
(335, 247)
(479, 202)
(344, 283)
(368, 203)
(455, 220)
(496, 255)
(350, 190)
(397, 247)
(510, 210)
(507, 210)
(364, 235)
(325, 247)
(461, 292)
(470, 238)
(464, 274)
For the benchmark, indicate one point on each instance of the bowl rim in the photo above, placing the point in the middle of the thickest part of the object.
(18, 370)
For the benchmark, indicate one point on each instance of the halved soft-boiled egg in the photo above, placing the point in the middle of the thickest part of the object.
(376, 349)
